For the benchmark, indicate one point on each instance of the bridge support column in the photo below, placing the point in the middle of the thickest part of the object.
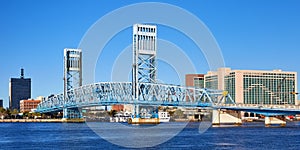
(223, 117)
(71, 113)
(275, 121)
(216, 117)
(136, 111)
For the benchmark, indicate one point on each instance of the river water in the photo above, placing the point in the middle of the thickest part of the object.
(81, 136)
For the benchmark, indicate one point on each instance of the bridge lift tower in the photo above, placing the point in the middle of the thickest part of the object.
(72, 77)
(144, 58)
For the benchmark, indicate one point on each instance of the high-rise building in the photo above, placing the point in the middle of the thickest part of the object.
(215, 79)
(19, 89)
(255, 86)
(194, 80)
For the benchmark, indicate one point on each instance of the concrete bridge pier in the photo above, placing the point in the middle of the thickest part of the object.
(71, 113)
(269, 121)
(226, 117)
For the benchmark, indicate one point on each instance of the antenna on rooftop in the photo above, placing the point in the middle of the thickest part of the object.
(22, 73)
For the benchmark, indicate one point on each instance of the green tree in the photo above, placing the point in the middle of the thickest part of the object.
(25, 115)
(7, 112)
(2, 113)
(178, 114)
(112, 113)
(2, 110)
(36, 114)
(15, 112)
(160, 107)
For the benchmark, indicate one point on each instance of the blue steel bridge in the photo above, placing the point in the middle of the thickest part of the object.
(152, 94)
(111, 93)
(143, 90)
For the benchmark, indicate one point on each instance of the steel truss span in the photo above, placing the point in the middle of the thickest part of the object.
(109, 93)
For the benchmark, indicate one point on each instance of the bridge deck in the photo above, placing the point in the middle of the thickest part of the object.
(110, 93)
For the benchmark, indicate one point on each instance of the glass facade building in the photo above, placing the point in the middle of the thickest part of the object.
(230, 84)
(257, 87)
(211, 82)
(215, 79)
(19, 89)
(199, 82)
(194, 80)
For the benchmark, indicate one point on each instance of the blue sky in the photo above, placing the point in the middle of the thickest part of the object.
(252, 34)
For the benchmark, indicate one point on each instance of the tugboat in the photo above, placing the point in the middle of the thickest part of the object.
(121, 117)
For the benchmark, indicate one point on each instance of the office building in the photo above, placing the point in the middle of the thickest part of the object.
(215, 79)
(19, 89)
(28, 105)
(194, 80)
(255, 86)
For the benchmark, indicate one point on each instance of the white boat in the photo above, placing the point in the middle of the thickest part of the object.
(121, 117)
(164, 116)
(124, 116)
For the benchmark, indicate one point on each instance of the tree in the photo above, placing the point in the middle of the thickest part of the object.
(15, 112)
(7, 113)
(160, 107)
(178, 114)
(2, 110)
(2, 113)
(26, 115)
(112, 113)
(39, 114)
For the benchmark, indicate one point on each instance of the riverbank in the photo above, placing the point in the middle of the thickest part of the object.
(43, 120)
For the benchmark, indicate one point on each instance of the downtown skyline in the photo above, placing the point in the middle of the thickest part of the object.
(252, 35)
